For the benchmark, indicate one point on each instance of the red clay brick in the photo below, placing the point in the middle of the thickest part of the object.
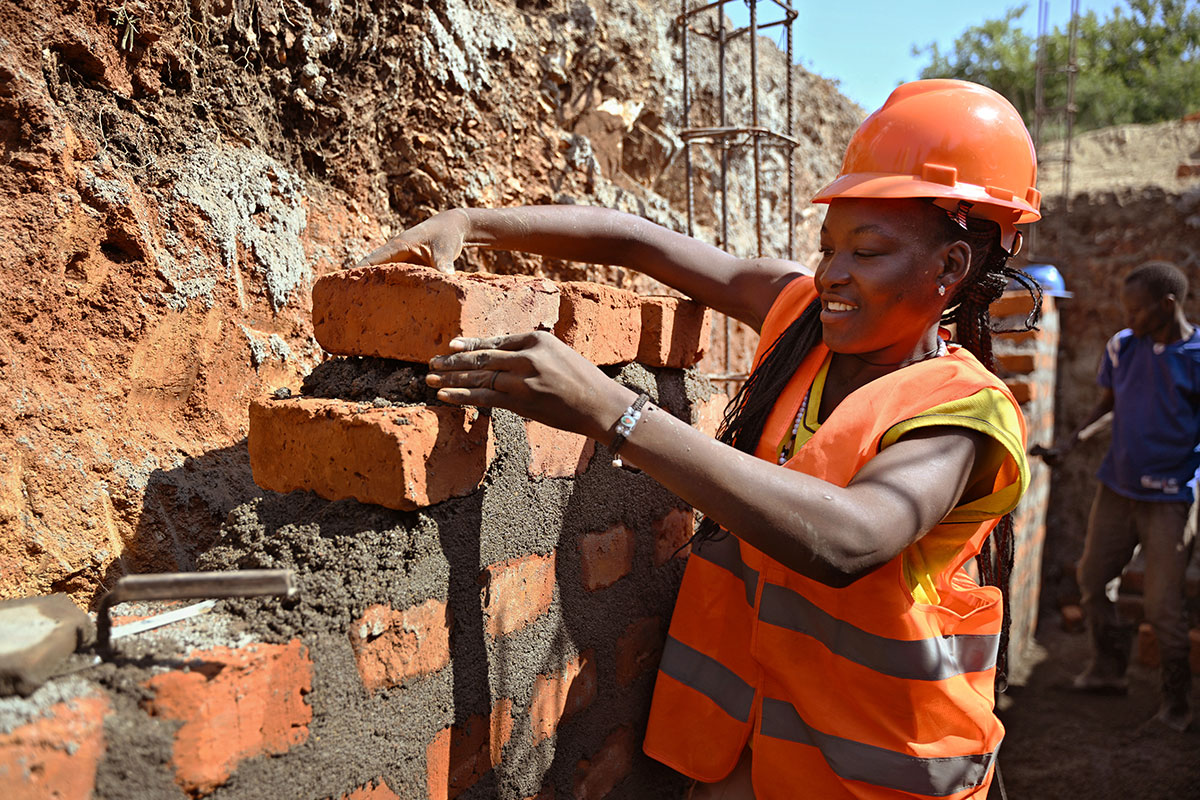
(1072, 618)
(56, 755)
(561, 694)
(547, 793)
(516, 592)
(411, 313)
(599, 775)
(234, 704)
(437, 766)
(557, 454)
(639, 648)
(1017, 363)
(400, 457)
(1011, 304)
(375, 790)
(1186, 170)
(460, 755)
(708, 413)
(392, 646)
(671, 533)
(607, 556)
(1023, 391)
(601, 323)
(675, 332)
(501, 724)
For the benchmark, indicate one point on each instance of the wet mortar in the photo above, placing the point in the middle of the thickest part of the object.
(349, 556)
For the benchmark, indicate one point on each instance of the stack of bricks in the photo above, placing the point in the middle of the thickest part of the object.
(1027, 361)
(483, 600)
(421, 455)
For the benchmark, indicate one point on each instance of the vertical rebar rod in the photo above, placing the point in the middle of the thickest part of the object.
(754, 121)
(1039, 98)
(1039, 104)
(722, 115)
(724, 168)
(687, 144)
(1071, 70)
(791, 149)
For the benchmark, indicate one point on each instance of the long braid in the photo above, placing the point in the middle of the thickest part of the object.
(971, 318)
(747, 413)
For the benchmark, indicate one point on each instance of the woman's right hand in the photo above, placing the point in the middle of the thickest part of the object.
(437, 242)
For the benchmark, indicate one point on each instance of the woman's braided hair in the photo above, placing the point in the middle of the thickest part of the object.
(968, 313)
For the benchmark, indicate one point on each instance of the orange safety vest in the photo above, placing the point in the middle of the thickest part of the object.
(858, 692)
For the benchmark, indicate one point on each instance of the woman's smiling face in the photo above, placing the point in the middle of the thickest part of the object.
(881, 265)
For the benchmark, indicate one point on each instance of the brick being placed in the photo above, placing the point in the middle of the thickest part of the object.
(400, 457)
(675, 332)
(601, 323)
(411, 313)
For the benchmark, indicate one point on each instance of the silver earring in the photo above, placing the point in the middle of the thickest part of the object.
(941, 290)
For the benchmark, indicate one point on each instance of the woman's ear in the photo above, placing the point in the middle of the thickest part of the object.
(956, 264)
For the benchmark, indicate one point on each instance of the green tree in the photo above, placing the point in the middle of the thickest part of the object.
(1141, 63)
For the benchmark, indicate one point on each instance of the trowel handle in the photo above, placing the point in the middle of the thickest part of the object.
(193, 585)
(190, 585)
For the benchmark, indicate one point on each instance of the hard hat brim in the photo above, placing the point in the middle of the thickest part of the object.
(888, 186)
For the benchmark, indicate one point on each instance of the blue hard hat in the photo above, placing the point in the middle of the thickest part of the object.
(1048, 277)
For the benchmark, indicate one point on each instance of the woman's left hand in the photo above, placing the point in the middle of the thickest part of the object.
(534, 374)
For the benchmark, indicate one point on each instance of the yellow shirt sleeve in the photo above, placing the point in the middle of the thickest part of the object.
(993, 489)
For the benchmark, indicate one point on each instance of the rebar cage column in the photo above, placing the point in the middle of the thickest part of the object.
(725, 137)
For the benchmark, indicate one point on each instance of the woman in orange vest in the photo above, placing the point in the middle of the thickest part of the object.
(827, 642)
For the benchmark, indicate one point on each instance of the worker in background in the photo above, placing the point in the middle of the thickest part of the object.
(826, 642)
(1150, 380)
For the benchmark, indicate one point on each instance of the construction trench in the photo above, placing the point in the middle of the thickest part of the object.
(177, 178)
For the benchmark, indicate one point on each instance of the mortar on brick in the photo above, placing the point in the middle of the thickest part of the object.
(349, 556)
(368, 379)
(17, 711)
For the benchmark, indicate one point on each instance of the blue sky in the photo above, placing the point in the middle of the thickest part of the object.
(867, 44)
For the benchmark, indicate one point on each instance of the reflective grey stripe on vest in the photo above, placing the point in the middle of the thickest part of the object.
(856, 761)
(725, 553)
(709, 677)
(932, 659)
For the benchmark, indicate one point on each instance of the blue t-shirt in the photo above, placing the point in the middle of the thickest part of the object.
(1155, 451)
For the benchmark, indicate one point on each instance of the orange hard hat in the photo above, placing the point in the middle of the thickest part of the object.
(959, 143)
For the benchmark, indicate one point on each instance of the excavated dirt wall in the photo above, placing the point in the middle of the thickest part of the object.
(176, 173)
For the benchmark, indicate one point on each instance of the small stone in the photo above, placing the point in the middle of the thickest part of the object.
(282, 393)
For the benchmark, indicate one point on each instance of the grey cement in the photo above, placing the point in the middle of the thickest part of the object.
(381, 381)
(18, 711)
(349, 556)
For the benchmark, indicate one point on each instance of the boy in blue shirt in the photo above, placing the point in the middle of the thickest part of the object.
(1150, 379)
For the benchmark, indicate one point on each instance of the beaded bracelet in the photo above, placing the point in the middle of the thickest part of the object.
(625, 426)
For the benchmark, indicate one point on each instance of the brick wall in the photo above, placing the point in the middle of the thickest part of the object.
(483, 599)
(1027, 362)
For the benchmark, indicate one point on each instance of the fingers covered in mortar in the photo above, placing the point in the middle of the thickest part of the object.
(533, 374)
